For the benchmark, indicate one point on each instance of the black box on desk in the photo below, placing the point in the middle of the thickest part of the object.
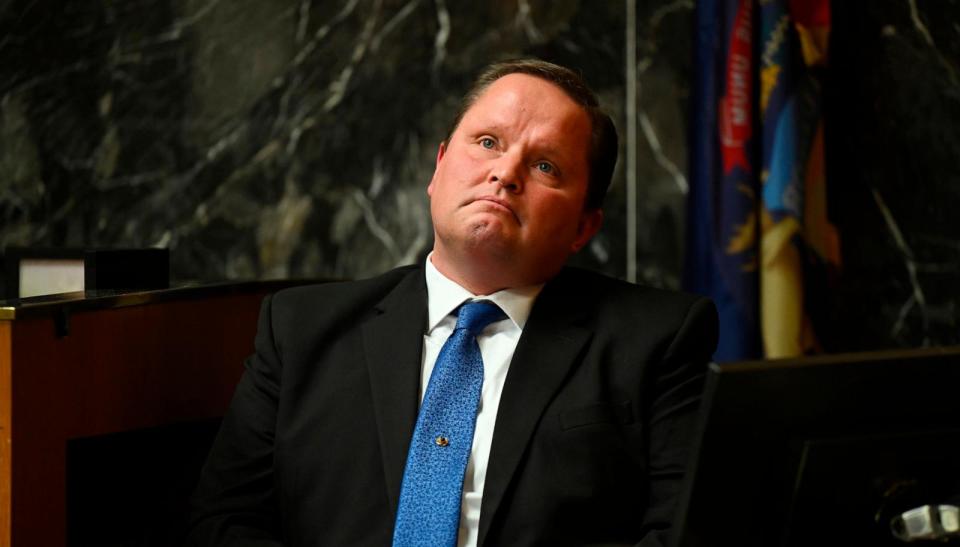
(35, 272)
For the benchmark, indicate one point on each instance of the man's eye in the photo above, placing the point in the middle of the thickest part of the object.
(545, 167)
(487, 143)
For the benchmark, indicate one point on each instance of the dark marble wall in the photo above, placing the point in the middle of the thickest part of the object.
(893, 143)
(295, 138)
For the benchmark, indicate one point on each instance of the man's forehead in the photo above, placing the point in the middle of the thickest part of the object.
(501, 102)
(519, 85)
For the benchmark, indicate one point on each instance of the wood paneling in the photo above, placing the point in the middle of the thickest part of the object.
(117, 369)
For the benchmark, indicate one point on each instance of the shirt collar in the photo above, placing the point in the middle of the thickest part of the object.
(444, 295)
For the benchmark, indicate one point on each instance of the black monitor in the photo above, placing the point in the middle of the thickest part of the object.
(822, 451)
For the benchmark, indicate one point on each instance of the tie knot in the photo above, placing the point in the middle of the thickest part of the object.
(475, 316)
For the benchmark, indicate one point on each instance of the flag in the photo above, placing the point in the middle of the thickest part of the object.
(722, 253)
(757, 217)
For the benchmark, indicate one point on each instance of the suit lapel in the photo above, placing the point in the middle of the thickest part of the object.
(547, 350)
(393, 342)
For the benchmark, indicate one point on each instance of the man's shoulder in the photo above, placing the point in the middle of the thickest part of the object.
(335, 296)
(603, 289)
(616, 306)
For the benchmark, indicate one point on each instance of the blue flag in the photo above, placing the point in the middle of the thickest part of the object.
(757, 227)
(722, 254)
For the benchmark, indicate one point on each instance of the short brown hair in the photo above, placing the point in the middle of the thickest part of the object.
(602, 156)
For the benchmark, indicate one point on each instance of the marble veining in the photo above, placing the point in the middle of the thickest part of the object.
(892, 101)
(284, 139)
(295, 138)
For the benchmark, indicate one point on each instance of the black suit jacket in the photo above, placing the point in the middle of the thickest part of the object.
(591, 434)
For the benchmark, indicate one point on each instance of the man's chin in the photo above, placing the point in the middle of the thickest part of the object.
(489, 230)
(484, 242)
(489, 245)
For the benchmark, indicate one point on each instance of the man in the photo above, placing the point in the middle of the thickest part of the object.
(589, 385)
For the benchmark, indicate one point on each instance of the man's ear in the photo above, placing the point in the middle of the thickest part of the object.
(590, 222)
(440, 152)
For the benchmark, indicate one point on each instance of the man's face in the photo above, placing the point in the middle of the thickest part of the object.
(507, 196)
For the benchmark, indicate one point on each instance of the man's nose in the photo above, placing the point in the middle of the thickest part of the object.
(508, 173)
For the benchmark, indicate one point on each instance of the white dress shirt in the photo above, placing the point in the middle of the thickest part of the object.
(497, 343)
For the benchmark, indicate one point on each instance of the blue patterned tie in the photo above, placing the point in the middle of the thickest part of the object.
(429, 512)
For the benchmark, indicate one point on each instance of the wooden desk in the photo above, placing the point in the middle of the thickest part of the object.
(73, 367)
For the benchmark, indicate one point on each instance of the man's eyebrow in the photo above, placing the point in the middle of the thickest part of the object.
(548, 149)
(554, 153)
(487, 128)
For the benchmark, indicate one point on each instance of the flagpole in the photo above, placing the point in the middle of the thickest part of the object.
(631, 144)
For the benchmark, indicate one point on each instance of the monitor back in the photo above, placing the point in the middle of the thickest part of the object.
(822, 451)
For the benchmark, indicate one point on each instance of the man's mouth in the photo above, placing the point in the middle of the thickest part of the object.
(498, 203)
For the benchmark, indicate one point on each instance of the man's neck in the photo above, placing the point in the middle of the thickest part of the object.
(479, 280)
